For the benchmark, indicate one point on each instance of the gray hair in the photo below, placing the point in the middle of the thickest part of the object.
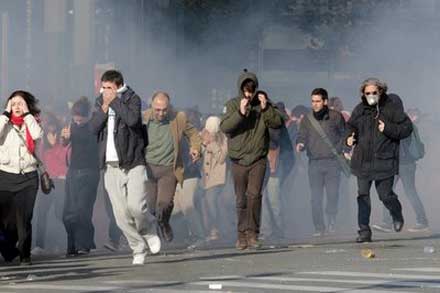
(381, 85)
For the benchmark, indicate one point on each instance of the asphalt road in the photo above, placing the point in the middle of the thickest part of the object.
(401, 264)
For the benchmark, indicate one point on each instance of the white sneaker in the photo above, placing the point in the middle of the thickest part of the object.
(139, 259)
(38, 251)
(153, 242)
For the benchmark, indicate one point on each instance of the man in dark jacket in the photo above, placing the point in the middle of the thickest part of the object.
(246, 121)
(375, 128)
(324, 168)
(117, 122)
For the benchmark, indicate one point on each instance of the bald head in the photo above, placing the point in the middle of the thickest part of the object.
(160, 104)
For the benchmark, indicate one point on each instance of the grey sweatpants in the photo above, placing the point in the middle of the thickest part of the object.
(127, 193)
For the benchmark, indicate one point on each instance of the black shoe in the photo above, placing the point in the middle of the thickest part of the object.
(72, 253)
(9, 256)
(364, 236)
(398, 225)
(166, 231)
(25, 261)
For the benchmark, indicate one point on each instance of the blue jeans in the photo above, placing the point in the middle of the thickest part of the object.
(407, 175)
(271, 218)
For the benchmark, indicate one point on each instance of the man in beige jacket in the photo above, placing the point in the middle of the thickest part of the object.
(165, 129)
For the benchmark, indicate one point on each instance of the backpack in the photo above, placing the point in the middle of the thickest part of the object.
(416, 148)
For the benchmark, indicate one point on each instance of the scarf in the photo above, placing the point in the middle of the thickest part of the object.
(18, 121)
(321, 114)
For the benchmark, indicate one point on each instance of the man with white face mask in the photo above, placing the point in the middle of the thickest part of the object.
(375, 129)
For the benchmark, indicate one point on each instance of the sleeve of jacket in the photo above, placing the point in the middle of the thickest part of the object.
(303, 131)
(3, 122)
(191, 133)
(129, 112)
(351, 127)
(99, 118)
(400, 128)
(231, 119)
(275, 137)
(33, 126)
(341, 126)
(272, 117)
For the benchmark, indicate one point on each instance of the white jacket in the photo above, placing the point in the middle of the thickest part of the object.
(14, 155)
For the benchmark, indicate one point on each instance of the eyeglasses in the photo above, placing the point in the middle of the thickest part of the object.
(371, 93)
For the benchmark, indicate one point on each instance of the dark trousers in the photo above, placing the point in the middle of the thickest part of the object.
(386, 194)
(248, 183)
(114, 233)
(16, 211)
(44, 203)
(161, 187)
(81, 189)
(324, 174)
(407, 175)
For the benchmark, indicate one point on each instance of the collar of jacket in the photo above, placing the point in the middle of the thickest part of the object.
(323, 114)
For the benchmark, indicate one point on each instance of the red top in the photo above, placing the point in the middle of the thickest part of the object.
(54, 159)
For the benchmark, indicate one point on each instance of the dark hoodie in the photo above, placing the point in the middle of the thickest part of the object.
(248, 135)
(376, 154)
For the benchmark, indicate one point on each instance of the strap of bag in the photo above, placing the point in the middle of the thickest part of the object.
(40, 164)
(315, 124)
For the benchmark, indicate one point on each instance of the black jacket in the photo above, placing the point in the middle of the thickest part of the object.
(84, 148)
(376, 154)
(333, 124)
(128, 133)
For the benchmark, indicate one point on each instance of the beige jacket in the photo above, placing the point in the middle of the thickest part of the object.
(214, 163)
(14, 155)
(180, 126)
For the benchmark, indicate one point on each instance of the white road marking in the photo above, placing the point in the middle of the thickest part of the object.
(359, 282)
(299, 288)
(61, 287)
(424, 270)
(375, 275)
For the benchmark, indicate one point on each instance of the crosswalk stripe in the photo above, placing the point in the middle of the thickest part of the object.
(49, 270)
(359, 282)
(423, 270)
(272, 286)
(375, 275)
(61, 287)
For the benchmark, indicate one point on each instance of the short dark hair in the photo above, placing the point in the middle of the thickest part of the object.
(81, 107)
(30, 100)
(113, 76)
(249, 85)
(321, 92)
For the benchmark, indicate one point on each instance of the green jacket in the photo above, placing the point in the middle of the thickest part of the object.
(248, 135)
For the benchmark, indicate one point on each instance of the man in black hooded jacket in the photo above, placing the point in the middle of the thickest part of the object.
(375, 129)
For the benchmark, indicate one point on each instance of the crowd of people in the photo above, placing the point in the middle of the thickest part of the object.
(155, 163)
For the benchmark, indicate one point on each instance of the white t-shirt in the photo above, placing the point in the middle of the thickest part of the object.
(111, 155)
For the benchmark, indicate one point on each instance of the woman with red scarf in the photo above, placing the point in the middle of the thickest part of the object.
(19, 134)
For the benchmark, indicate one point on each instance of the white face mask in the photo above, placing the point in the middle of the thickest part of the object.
(372, 99)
